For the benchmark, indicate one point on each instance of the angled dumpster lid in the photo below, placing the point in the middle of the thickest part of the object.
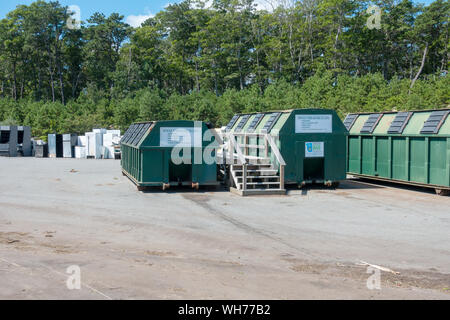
(133, 129)
(271, 121)
(399, 123)
(232, 122)
(371, 123)
(135, 134)
(128, 134)
(255, 121)
(350, 120)
(141, 132)
(434, 122)
(242, 123)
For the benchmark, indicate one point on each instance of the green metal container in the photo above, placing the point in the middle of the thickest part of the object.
(410, 147)
(149, 158)
(312, 142)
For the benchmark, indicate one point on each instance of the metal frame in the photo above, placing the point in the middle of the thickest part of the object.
(231, 151)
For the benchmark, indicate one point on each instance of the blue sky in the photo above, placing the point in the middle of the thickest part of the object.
(135, 11)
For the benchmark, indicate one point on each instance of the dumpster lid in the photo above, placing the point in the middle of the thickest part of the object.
(127, 135)
(140, 133)
(271, 121)
(371, 122)
(399, 123)
(242, 123)
(350, 120)
(255, 121)
(232, 122)
(136, 132)
(434, 121)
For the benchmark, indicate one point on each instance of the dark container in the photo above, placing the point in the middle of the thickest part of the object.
(41, 151)
(55, 145)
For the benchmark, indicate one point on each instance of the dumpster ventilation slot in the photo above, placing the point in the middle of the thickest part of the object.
(435, 121)
(371, 123)
(232, 122)
(127, 136)
(271, 122)
(141, 132)
(400, 122)
(135, 132)
(256, 120)
(350, 121)
(242, 123)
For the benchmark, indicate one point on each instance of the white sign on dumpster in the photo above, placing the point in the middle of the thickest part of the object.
(180, 137)
(313, 123)
(314, 149)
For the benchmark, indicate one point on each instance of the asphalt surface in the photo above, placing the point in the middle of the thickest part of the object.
(211, 244)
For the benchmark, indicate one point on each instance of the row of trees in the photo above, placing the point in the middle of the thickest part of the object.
(210, 59)
(343, 93)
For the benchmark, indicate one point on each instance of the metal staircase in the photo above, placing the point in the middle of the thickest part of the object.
(252, 172)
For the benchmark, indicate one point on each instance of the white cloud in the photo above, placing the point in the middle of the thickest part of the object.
(137, 20)
(267, 5)
(271, 5)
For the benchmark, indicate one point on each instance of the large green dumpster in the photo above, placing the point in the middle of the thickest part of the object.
(167, 153)
(409, 147)
(311, 144)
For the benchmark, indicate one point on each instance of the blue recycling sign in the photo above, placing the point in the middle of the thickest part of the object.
(314, 149)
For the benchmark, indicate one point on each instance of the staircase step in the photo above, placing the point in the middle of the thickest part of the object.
(260, 177)
(256, 157)
(253, 166)
(252, 146)
(269, 171)
(257, 191)
(259, 183)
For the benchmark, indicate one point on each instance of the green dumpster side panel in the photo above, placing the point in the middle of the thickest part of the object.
(354, 160)
(382, 160)
(149, 164)
(409, 157)
(331, 167)
(418, 159)
(438, 161)
(367, 155)
(399, 158)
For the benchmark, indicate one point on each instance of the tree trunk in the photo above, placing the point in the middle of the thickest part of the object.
(75, 84)
(14, 91)
(60, 72)
(61, 83)
(425, 51)
(52, 84)
(336, 44)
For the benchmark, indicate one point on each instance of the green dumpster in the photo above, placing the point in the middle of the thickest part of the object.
(169, 153)
(411, 147)
(298, 146)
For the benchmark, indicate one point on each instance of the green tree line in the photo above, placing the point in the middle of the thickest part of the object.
(192, 61)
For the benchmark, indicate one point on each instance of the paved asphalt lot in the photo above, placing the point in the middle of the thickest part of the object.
(211, 244)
